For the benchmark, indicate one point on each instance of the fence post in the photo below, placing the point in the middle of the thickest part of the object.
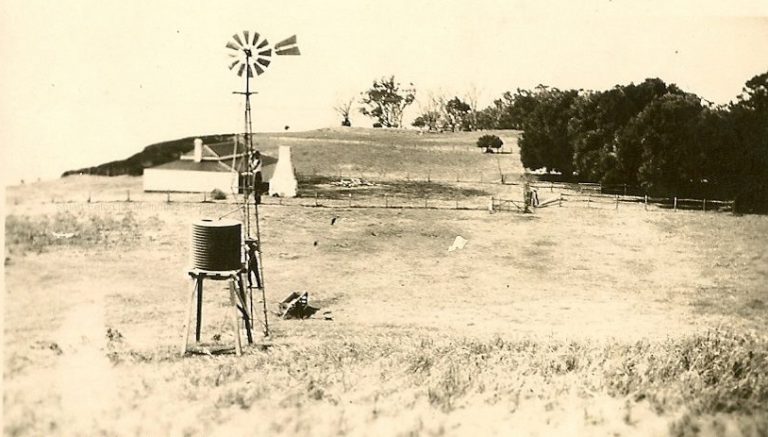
(280, 200)
(89, 197)
(704, 205)
(617, 202)
(646, 202)
(127, 195)
(561, 200)
(551, 187)
(675, 204)
(205, 196)
(429, 176)
(490, 205)
(625, 189)
(425, 202)
(481, 178)
(457, 203)
(350, 200)
(386, 200)
(316, 204)
(589, 199)
(457, 177)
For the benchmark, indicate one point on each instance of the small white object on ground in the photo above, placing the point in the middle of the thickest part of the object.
(458, 243)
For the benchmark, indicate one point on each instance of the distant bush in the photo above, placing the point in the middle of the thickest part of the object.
(490, 142)
(217, 194)
(377, 125)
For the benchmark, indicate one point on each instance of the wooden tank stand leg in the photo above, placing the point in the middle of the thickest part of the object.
(235, 317)
(241, 294)
(199, 325)
(189, 316)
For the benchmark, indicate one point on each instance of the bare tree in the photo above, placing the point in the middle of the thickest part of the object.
(472, 97)
(343, 108)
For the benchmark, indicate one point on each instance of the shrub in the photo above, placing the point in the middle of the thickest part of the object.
(489, 142)
(217, 194)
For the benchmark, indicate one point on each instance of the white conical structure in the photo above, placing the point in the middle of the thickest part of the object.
(283, 182)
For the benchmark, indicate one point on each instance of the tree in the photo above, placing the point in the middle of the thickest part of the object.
(545, 142)
(595, 129)
(343, 108)
(749, 116)
(489, 142)
(665, 132)
(457, 113)
(385, 101)
(431, 113)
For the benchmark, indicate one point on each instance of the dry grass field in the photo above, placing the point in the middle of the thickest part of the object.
(569, 321)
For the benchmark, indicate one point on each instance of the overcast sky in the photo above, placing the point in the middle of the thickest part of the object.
(88, 81)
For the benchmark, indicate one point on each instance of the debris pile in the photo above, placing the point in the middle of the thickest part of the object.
(353, 183)
(296, 306)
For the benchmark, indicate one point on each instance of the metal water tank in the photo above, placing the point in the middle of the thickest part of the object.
(216, 244)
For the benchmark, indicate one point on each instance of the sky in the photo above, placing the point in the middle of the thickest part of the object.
(89, 81)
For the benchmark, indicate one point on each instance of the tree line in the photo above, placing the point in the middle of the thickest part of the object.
(653, 135)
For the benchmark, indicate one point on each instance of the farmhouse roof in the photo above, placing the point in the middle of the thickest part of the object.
(217, 151)
(221, 164)
(190, 165)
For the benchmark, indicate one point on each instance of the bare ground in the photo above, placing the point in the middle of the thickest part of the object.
(539, 325)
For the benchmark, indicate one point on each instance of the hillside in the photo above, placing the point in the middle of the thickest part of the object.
(371, 153)
(152, 155)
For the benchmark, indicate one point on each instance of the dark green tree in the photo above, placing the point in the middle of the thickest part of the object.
(489, 142)
(750, 120)
(544, 142)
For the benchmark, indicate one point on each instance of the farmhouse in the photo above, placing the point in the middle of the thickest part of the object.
(205, 168)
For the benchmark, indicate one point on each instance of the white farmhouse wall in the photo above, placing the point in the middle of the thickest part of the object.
(188, 181)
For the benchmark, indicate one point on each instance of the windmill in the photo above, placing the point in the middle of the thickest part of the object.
(250, 52)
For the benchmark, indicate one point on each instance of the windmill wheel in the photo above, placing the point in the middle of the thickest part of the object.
(250, 52)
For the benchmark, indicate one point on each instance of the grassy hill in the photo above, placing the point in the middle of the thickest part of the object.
(348, 152)
(152, 155)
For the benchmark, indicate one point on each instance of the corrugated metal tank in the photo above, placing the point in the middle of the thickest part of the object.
(216, 244)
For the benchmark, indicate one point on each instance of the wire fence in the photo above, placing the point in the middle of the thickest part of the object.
(605, 201)
(558, 194)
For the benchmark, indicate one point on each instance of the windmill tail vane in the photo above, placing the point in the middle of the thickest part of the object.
(251, 52)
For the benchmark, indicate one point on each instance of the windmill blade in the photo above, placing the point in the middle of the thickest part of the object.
(291, 51)
(245, 36)
(267, 52)
(255, 38)
(262, 44)
(240, 71)
(290, 41)
(258, 69)
(233, 64)
(237, 38)
(231, 45)
(264, 62)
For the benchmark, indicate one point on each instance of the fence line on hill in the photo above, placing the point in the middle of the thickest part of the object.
(603, 201)
(319, 200)
(349, 200)
(582, 195)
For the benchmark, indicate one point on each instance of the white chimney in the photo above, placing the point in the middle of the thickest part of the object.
(283, 182)
(198, 150)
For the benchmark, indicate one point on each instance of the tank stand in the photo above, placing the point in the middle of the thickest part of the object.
(237, 297)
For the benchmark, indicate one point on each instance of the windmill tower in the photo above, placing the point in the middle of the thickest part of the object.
(251, 55)
(216, 251)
